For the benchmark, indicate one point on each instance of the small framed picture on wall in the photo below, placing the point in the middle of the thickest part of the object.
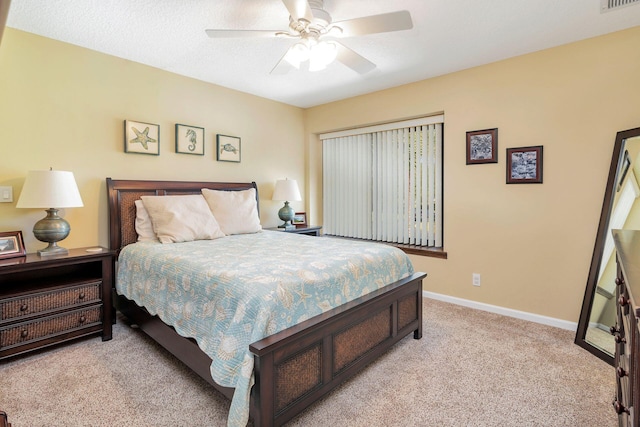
(142, 138)
(228, 148)
(524, 165)
(189, 139)
(482, 146)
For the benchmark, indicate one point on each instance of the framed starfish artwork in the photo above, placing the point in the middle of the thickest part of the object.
(141, 138)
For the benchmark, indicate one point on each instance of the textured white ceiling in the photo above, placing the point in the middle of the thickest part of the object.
(448, 35)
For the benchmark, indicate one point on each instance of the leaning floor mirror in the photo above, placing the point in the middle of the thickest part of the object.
(619, 211)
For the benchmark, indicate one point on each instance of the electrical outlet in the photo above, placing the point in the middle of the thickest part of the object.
(476, 279)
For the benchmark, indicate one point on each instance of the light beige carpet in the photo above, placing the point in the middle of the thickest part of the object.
(471, 368)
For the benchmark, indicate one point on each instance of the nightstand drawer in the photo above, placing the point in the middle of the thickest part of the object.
(37, 329)
(41, 302)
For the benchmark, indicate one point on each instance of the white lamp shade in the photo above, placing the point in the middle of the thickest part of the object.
(286, 190)
(49, 189)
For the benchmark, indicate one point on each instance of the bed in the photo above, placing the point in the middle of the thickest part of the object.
(296, 366)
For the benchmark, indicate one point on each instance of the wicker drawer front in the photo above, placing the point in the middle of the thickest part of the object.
(49, 326)
(41, 302)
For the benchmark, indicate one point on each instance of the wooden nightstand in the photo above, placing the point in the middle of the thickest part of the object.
(313, 230)
(46, 301)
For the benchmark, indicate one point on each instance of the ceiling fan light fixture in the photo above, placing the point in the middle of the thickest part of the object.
(322, 54)
(284, 34)
(334, 31)
(298, 54)
(316, 65)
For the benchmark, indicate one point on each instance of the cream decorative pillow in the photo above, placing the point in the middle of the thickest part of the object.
(236, 211)
(144, 228)
(181, 218)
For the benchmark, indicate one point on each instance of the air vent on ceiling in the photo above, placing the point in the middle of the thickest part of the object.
(607, 5)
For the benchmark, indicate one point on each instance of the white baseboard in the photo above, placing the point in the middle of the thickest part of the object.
(537, 318)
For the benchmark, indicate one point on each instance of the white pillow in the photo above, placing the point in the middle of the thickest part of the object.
(236, 211)
(181, 218)
(144, 228)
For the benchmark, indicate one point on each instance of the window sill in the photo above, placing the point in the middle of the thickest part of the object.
(428, 251)
(420, 250)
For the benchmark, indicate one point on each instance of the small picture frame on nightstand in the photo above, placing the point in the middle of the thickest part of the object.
(11, 244)
(300, 220)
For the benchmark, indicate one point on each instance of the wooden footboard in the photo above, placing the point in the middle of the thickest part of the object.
(297, 366)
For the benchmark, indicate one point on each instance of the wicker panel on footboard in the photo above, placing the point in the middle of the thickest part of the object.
(319, 354)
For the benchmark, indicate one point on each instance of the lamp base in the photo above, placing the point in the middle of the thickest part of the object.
(287, 226)
(286, 214)
(52, 250)
(51, 229)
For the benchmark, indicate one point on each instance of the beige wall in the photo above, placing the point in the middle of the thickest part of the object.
(531, 243)
(62, 106)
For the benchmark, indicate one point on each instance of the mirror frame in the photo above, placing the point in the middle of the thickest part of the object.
(598, 248)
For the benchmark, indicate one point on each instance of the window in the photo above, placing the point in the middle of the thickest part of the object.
(384, 182)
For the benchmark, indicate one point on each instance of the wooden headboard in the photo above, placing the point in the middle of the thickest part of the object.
(122, 195)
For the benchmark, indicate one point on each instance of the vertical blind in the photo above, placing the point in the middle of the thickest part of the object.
(385, 184)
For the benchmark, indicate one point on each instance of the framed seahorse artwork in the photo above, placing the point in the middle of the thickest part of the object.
(228, 148)
(189, 139)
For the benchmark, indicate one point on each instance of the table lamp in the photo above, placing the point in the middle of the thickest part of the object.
(286, 190)
(51, 190)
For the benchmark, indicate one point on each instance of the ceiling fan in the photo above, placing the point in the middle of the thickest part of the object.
(316, 36)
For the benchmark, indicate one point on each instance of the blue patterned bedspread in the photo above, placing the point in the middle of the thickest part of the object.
(230, 292)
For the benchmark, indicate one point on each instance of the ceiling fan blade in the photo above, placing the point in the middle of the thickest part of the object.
(383, 23)
(225, 34)
(351, 59)
(283, 66)
(298, 9)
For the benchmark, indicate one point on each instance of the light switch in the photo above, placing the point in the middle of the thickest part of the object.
(6, 194)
